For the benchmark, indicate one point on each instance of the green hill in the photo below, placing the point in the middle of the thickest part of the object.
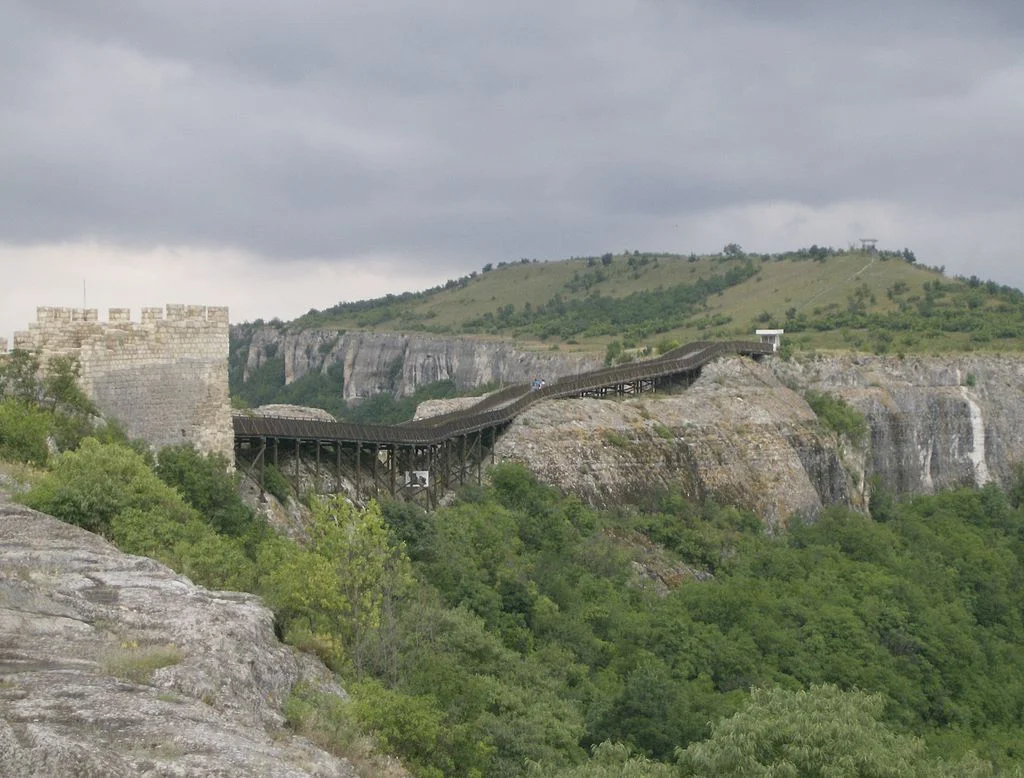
(824, 298)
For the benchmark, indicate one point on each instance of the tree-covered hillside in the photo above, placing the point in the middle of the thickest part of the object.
(517, 632)
(832, 298)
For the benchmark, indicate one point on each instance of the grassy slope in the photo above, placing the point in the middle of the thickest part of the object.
(814, 289)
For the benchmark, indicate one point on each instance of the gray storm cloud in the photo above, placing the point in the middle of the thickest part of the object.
(456, 133)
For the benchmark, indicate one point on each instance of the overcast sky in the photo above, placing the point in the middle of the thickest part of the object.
(277, 156)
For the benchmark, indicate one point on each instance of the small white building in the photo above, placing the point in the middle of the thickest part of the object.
(771, 336)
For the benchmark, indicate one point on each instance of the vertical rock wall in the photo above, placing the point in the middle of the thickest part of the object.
(397, 363)
(165, 379)
(936, 422)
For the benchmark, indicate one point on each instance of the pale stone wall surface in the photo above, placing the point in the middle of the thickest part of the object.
(165, 379)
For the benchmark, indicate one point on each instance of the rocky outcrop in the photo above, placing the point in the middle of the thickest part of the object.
(395, 363)
(737, 436)
(741, 434)
(113, 665)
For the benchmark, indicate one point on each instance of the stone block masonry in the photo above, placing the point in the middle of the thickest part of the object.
(165, 379)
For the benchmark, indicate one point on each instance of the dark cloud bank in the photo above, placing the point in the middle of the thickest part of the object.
(458, 133)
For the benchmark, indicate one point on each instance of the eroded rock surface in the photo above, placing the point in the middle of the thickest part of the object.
(281, 410)
(737, 435)
(397, 363)
(79, 620)
(936, 422)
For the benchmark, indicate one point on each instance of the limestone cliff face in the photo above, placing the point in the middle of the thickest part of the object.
(743, 434)
(936, 422)
(78, 619)
(397, 363)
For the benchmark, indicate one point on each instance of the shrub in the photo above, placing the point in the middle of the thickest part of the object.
(208, 484)
(23, 432)
(835, 414)
(615, 438)
(92, 485)
(275, 482)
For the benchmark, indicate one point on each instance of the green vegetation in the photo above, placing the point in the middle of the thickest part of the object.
(835, 414)
(821, 731)
(507, 634)
(510, 634)
(43, 408)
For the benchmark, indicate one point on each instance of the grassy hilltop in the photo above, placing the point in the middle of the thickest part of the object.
(824, 298)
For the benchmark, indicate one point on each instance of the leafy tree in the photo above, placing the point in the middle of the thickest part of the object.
(609, 760)
(61, 390)
(370, 569)
(208, 484)
(819, 732)
(23, 432)
(1016, 491)
(612, 352)
(19, 376)
(92, 485)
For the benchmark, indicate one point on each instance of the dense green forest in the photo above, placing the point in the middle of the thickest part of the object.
(517, 632)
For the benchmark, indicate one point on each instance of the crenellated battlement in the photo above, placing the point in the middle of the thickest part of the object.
(61, 329)
(164, 377)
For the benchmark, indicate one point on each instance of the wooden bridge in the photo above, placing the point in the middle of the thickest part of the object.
(421, 460)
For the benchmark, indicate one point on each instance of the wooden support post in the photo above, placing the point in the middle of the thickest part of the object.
(462, 460)
(316, 478)
(359, 448)
(394, 467)
(431, 481)
(262, 455)
(376, 462)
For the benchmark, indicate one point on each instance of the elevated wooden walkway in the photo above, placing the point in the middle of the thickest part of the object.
(422, 459)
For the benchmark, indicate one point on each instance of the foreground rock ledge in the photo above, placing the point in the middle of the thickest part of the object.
(77, 617)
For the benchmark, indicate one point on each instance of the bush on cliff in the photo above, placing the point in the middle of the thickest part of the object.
(23, 432)
(209, 485)
(835, 414)
(92, 485)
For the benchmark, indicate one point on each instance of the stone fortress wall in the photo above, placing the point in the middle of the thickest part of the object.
(165, 379)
